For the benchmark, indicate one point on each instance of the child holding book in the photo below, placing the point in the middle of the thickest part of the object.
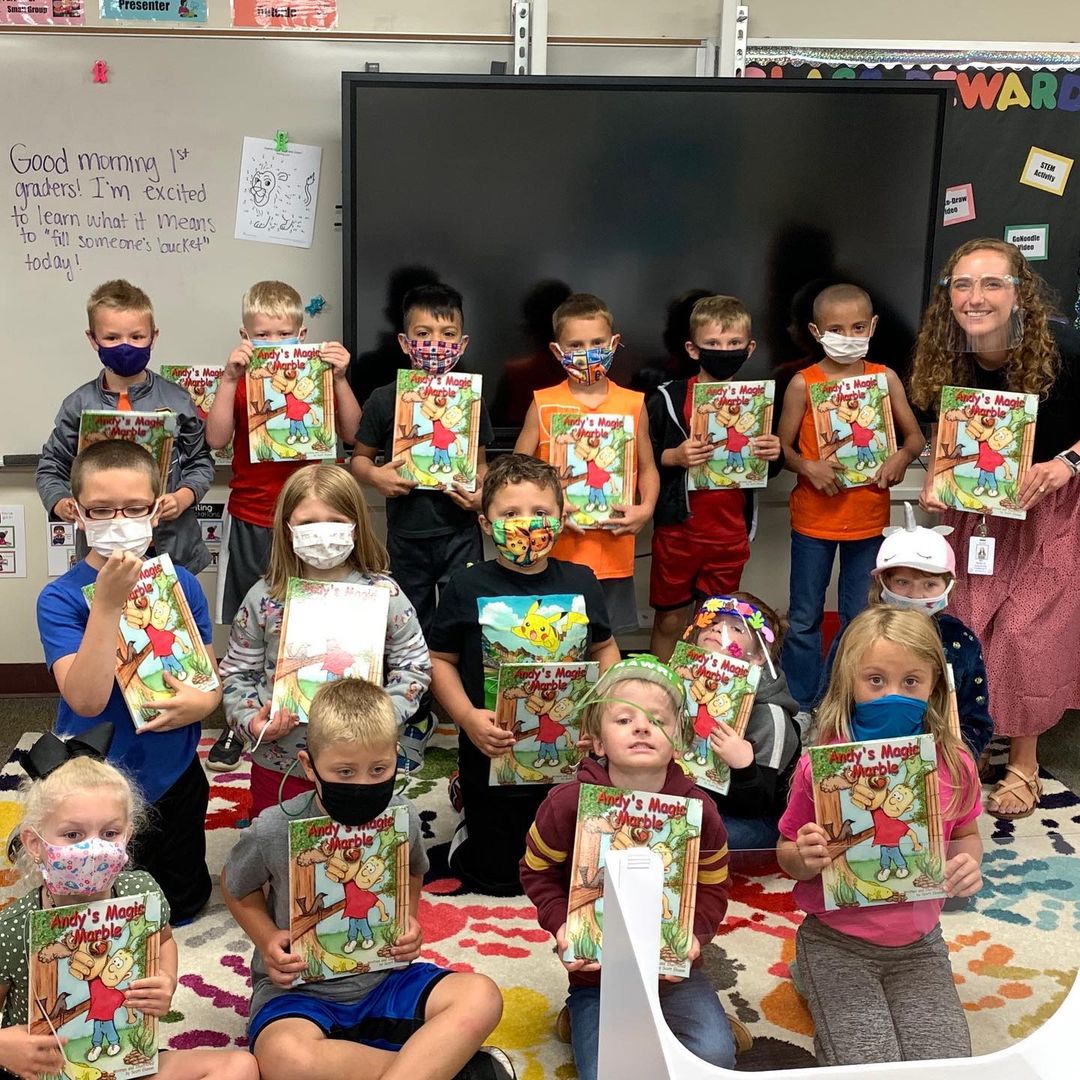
(80, 815)
(635, 718)
(585, 344)
(701, 539)
(418, 1021)
(763, 758)
(122, 333)
(116, 487)
(826, 517)
(878, 979)
(321, 532)
(524, 605)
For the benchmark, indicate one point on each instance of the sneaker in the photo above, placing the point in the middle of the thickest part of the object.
(225, 753)
(883, 874)
(488, 1063)
(741, 1034)
(349, 946)
(902, 872)
(453, 785)
(113, 1050)
(367, 943)
(93, 1053)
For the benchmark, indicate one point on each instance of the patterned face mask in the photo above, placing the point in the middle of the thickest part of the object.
(434, 357)
(524, 540)
(588, 366)
(84, 869)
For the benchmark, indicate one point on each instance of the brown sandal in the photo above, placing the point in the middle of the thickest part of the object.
(1024, 788)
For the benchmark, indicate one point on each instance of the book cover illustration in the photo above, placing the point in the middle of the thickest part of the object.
(985, 440)
(610, 819)
(537, 702)
(854, 425)
(436, 425)
(878, 802)
(330, 630)
(290, 403)
(348, 893)
(201, 382)
(157, 635)
(154, 430)
(729, 415)
(82, 960)
(595, 456)
(718, 688)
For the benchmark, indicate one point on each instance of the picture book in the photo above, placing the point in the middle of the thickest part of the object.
(201, 382)
(330, 630)
(537, 702)
(610, 819)
(290, 403)
(854, 424)
(984, 445)
(348, 893)
(718, 687)
(154, 430)
(729, 415)
(82, 960)
(157, 636)
(436, 424)
(595, 455)
(878, 802)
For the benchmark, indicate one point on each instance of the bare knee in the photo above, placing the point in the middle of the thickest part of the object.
(671, 623)
(283, 1054)
(475, 1001)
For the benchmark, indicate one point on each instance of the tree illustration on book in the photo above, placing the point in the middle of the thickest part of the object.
(595, 457)
(729, 415)
(854, 425)
(154, 431)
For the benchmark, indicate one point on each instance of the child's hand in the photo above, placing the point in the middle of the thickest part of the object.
(928, 501)
(152, 995)
(633, 520)
(892, 471)
(694, 451)
(270, 730)
(30, 1056)
(732, 749)
(692, 953)
(584, 745)
(116, 579)
(337, 356)
(561, 947)
(485, 735)
(389, 482)
(173, 504)
(766, 447)
(66, 509)
(467, 500)
(281, 965)
(236, 365)
(407, 946)
(963, 877)
(186, 706)
(812, 844)
(822, 474)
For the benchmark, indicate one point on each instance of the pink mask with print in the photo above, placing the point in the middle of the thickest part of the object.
(84, 869)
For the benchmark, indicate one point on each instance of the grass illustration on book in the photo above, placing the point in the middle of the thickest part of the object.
(201, 382)
(538, 703)
(348, 893)
(290, 404)
(878, 802)
(82, 959)
(436, 424)
(330, 630)
(157, 635)
(595, 456)
(985, 440)
(612, 819)
(854, 425)
(718, 688)
(156, 431)
(729, 415)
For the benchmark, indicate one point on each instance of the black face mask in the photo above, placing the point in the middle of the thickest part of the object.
(354, 804)
(722, 363)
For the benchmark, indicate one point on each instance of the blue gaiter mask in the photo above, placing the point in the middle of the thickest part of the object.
(893, 716)
(126, 360)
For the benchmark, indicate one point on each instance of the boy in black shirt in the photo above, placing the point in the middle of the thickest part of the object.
(527, 600)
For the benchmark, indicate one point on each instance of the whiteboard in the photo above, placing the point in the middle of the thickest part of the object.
(153, 155)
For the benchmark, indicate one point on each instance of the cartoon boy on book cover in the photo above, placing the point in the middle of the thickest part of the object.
(887, 807)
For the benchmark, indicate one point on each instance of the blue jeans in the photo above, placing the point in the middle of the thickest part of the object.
(297, 428)
(750, 833)
(441, 458)
(811, 569)
(988, 480)
(359, 929)
(105, 1033)
(864, 455)
(692, 1011)
(736, 460)
(892, 857)
(597, 497)
(170, 664)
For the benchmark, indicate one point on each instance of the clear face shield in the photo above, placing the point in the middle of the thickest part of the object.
(985, 313)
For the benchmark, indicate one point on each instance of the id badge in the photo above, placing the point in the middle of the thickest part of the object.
(981, 555)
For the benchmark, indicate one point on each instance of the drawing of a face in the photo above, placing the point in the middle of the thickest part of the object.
(159, 614)
(588, 447)
(541, 540)
(540, 630)
(866, 416)
(118, 968)
(305, 388)
(453, 416)
(517, 542)
(562, 709)
(744, 423)
(1001, 438)
(898, 801)
(606, 457)
(262, 186)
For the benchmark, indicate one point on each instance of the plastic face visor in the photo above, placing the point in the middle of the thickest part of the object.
(985, 313)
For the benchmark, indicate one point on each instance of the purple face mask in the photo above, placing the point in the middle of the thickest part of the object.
(124, 359)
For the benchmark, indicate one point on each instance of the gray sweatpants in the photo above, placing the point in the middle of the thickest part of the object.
(878, 1003)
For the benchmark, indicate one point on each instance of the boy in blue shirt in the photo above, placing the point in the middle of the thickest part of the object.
(116, 491)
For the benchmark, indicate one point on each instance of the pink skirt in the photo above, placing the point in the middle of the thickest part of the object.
(1027, 614)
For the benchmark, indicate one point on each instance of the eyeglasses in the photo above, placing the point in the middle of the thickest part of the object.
(108, 513)
(988, 283)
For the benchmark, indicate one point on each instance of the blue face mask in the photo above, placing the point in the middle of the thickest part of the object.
(893, 716)
(124, 359)
(283, 341)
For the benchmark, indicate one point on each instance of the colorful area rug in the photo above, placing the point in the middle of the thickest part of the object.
(1015, 946)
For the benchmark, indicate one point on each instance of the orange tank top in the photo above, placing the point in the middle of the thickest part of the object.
(606, 555)
(853, 514)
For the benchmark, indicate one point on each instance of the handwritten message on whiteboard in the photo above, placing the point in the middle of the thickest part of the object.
(278, 193)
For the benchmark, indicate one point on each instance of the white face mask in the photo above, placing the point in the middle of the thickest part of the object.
(928, 605)
(322, 544)
(844, 350)
(119, 534)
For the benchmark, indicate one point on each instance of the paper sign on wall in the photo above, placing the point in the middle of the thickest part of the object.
(60, 548)
(278, 193)
(320, 14)
(1046, 171)
(42, 12)
(190, 11)
(1032, 240)
(12, 541)
(959, 204)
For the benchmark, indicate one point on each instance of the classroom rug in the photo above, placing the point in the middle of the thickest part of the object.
(1015, 947)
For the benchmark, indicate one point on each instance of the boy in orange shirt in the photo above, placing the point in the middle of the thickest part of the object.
(585, 345)
(825, 516)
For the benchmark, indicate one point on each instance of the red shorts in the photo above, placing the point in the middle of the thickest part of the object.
(684, 569)
(265, 784)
